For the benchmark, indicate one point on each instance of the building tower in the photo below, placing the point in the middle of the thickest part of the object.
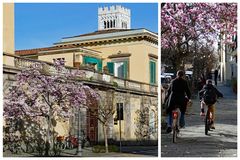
(115, 17)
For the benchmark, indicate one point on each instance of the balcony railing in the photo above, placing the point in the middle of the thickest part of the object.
(90, 75)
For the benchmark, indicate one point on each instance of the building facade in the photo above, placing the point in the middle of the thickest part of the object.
(8, 32)
(115, 58)
(227, 60)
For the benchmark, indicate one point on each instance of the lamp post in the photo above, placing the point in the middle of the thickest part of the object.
(120, 107)
(79, 148)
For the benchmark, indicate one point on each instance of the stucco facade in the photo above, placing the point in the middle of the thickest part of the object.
(8, 32)
(131, 59)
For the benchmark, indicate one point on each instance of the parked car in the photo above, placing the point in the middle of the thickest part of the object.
(165, 82)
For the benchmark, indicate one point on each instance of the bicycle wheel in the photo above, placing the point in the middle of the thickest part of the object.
(207, 123)
(175, 131)
(63, 146)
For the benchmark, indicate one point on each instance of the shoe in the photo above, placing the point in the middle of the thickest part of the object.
(182, 126)
(212, 126)
(202, 114)
(169, 130)
(177, 130)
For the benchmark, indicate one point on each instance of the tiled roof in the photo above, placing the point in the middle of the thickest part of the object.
(37, 50)
(62, 46)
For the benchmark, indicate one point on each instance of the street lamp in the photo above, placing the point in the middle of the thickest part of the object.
(79, 148)
(120, 117)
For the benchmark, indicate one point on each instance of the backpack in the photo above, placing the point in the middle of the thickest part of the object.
(209, 96)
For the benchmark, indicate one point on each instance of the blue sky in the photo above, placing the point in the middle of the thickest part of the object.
(42, 24)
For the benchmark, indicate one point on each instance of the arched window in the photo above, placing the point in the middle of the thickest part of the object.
(111, 24)
(105, 25)
(114, 23)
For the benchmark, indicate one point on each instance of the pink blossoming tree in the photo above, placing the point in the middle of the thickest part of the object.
(41, 96)
(184, 24)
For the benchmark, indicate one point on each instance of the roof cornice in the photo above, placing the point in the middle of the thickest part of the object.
(109, 36)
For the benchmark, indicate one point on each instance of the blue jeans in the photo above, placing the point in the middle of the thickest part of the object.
(182, 119)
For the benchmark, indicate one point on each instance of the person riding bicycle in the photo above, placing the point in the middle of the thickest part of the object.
(208, 97)
(176, 97)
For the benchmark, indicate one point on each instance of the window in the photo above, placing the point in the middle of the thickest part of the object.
(119, 111)
(118, 69)
(152, 72)
(152, 120)
(105, 25)
(111, 24)
(93, 62)
(114, 23)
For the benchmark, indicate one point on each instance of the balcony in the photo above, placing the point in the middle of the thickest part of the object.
(87, 75)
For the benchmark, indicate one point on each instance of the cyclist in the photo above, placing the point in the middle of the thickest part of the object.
(176, 97)
(208, 97)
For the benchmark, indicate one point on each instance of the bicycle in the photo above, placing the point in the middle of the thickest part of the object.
(175, 114)
(71, 142)
(58, 146)
(208, 120)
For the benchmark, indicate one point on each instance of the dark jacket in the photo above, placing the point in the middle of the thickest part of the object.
(176, 94)
(209, 86)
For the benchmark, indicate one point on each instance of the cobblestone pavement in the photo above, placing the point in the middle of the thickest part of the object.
(192, 142)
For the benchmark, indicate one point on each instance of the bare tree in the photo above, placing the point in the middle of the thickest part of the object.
(105, 113)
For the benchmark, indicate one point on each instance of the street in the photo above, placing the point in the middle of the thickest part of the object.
(192, 142)
(141, 150)
(127, 151)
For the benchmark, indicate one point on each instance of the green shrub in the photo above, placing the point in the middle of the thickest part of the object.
(101, 148)
(115, 84)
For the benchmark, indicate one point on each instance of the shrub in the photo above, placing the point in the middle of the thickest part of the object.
(115, 84)
(101, 148)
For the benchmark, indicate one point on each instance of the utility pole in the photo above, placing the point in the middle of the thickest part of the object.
(120, 106)
(79, 148)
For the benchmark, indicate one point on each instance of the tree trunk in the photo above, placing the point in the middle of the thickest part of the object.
(49, 123)
(105, 137)
(47, 144)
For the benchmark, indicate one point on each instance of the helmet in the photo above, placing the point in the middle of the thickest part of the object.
(208, 81)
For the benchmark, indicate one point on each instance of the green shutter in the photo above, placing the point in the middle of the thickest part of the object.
(99, 65)
(87, 60)
(125, 69)
(110, 66)
(152, 72)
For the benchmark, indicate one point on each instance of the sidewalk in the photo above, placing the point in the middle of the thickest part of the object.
(86, 152)
(192, 142)
(226, 91)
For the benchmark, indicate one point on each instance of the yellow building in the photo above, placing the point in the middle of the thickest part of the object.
(8, 32)
(117, 54)
(128, 53)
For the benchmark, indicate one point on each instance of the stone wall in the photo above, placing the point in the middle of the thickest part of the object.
(131, 103)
